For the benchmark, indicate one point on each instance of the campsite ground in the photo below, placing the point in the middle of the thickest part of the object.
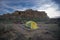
(18, 31)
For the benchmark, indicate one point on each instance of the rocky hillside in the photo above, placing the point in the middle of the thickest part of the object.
(25, 16)
(10, 29)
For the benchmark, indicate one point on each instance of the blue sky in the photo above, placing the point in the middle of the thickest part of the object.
(51, 7)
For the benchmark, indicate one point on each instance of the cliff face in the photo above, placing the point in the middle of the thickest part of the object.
(26, 15)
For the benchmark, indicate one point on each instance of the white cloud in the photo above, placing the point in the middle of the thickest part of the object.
(52, 13)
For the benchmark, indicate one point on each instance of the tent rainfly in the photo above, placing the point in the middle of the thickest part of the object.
(31, 25)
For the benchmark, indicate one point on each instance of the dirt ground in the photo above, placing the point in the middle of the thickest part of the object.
(19, 32)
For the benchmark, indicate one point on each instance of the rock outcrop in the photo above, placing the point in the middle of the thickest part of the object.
(25, 15)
